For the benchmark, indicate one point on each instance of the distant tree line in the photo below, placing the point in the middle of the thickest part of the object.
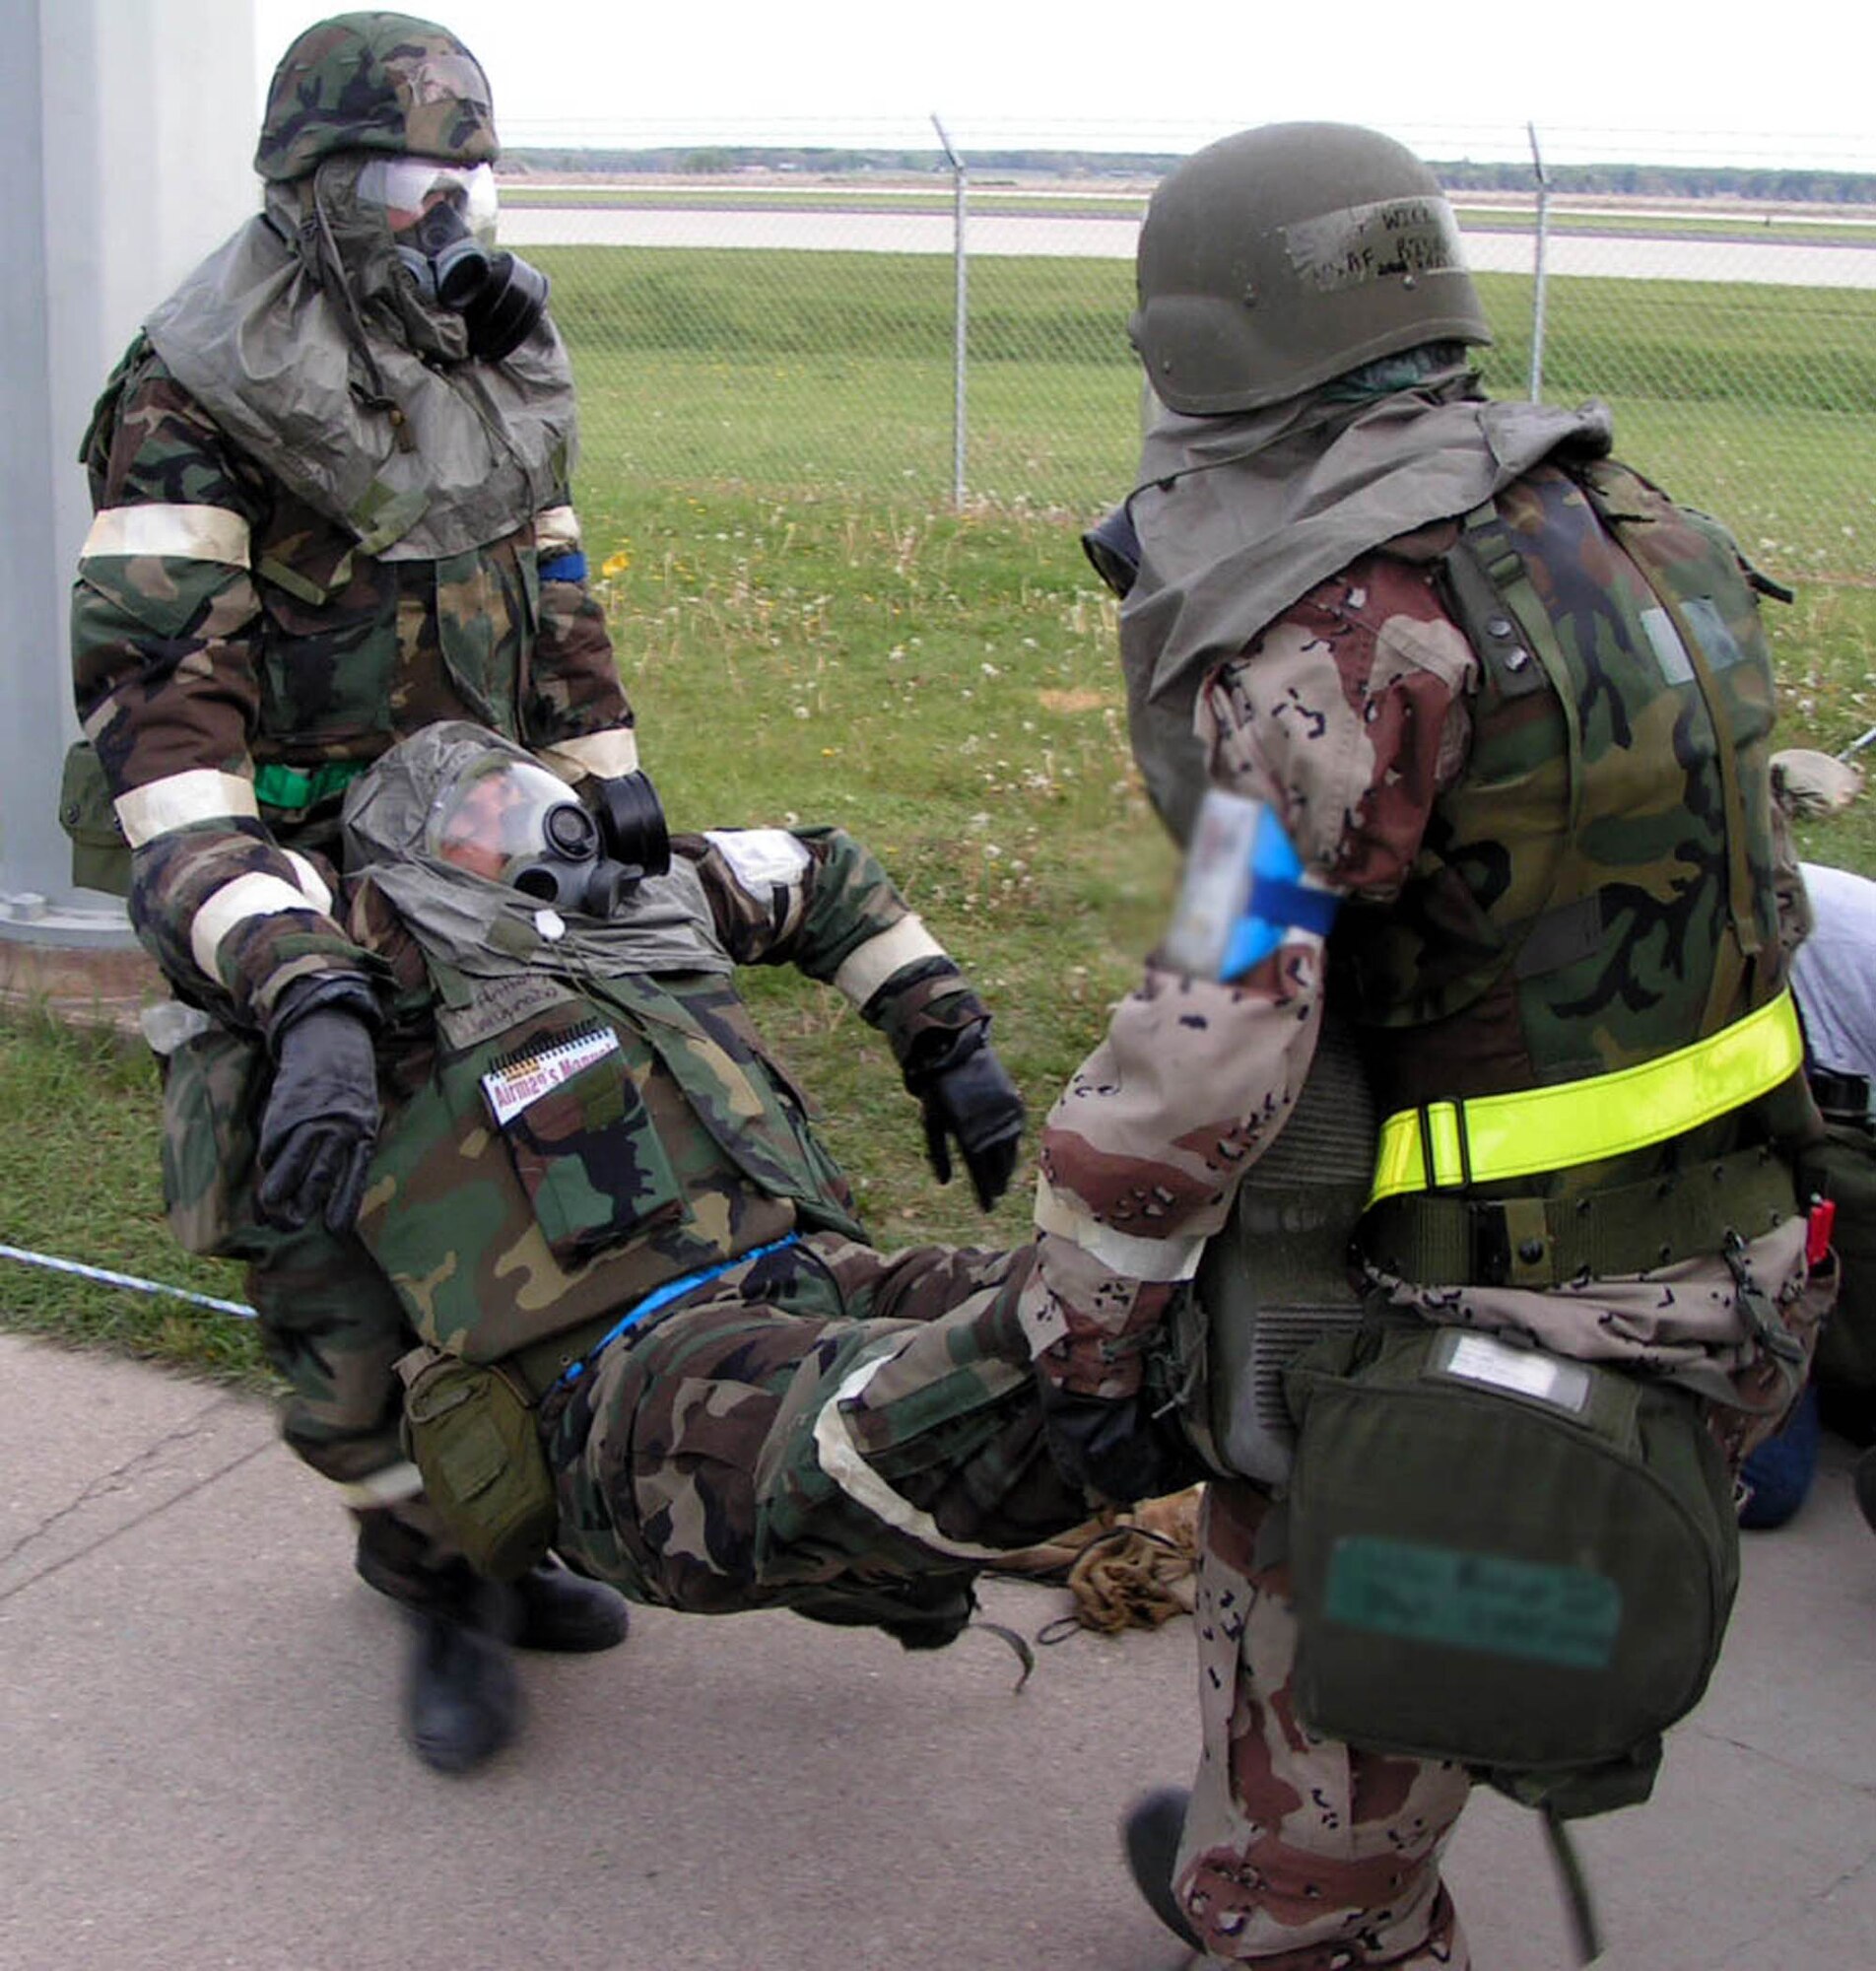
(1809, 187)
(1820, 187)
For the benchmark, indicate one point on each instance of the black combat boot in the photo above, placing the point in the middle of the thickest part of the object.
(559, 1609)
(461, 1699)
(1149, 1831)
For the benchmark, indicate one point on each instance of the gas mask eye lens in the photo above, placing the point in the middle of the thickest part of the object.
(407, 188)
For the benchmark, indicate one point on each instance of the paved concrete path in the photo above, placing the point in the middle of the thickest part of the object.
(200, 1765)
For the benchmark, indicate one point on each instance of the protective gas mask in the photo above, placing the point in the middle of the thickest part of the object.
(1113, 549)
(442, 218)
(513, 822)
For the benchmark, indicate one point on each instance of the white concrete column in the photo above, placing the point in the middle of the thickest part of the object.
(127, 135)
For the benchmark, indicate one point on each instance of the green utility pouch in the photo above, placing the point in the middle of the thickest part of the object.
(1505, 1558)
(472, 1433)
(213, 1080)
(101, 852)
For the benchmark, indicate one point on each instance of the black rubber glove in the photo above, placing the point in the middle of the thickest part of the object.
(967, 1094)
(320, 1126)
(1118, 1449)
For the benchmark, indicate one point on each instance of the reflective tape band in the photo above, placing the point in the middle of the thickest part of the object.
(556, 531)
(609, 756)
(318, 894)
(186, 533)
(762, 860)
(395, 1482)
(1538, 1129)
(840, 1458)
(869, 967)
(1175, 1258)
(183, 799)
(255, 895)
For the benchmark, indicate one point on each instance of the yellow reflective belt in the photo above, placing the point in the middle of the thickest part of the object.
(1499, 1136)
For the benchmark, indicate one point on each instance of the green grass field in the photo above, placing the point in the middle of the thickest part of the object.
(807, 632)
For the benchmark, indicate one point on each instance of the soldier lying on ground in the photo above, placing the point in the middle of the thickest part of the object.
(656, 1338)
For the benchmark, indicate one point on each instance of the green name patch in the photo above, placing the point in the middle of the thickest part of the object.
(1564, 1616)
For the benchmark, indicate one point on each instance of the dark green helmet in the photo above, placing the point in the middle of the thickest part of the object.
(376, 82)
(1278, 258)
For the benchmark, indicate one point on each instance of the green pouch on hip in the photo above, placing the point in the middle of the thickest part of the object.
(1510, 1559)
(472, 1433)
(213, 1081)
(101, 850)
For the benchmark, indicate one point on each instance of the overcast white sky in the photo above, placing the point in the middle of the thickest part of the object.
(1629, 79)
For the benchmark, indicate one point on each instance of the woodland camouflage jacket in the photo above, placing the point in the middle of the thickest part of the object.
(560, 1139)
(237, 657)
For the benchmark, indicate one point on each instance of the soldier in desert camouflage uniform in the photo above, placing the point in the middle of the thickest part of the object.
(1508, 706)
(331, 482)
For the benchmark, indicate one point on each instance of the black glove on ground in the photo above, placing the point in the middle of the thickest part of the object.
(966, 1093)
(320, 1126)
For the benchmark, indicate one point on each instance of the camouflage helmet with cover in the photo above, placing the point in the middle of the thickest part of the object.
(1283, 256)
(374, 82)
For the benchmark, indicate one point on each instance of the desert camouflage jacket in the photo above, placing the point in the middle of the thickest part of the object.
(1366, 719)
(235, 658)
(560, 1141)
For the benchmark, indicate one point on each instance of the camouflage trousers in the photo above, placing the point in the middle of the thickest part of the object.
(845, 1431)
(328, 1320)
(1300, 1853)
(333, 1328)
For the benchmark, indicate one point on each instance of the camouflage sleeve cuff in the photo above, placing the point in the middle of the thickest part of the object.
(317, 992)
(925, 1009)
(856, 931)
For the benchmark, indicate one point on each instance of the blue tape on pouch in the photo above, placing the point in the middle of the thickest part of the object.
(564, 567)
(1279, 900)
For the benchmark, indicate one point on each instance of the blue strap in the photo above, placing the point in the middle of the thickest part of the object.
(568, 566)
(663, 1297)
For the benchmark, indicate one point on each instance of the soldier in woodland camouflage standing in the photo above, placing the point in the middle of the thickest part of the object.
(331, 482)
(1495, 713)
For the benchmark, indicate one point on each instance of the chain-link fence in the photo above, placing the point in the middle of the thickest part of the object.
(791, 330)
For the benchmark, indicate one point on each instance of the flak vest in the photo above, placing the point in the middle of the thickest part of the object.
(1579, 992)
(571, 1151)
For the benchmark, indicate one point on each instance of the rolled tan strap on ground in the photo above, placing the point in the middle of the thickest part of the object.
(1126, 1570)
